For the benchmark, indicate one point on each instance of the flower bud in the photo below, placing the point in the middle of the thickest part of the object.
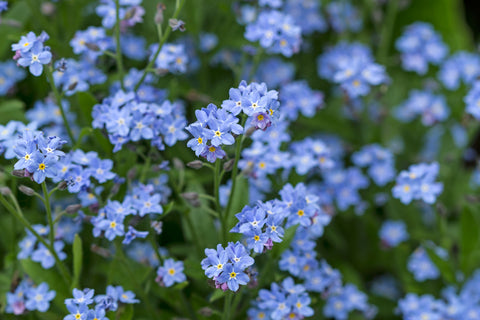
(159, 14)
(250, 131)
(178, 164)
(62, 185)
(19, 173)
(189, 196)
(92, 46)
(196, 164)
(47, 8)
(228, 166)
(5, 191)
(26, 190)
(73, 208)
(131, 174)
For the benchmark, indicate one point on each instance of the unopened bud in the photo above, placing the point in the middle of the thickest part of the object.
(178, 164)
(47, 8)
(115, 189)
(26, 190)
(159, 14)
(62, 185)
(250, 131)
(190, 196)
(19, 173)
(92, 46)
(5, 191)
(157, 226)
(196, 164)
(176, 24)
(72, 86)
(73, 208)
(100, 251)
(206, 312)
(228, 166)
(132, 173)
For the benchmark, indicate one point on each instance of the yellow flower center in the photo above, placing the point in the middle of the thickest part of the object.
(26, 44)
(211, 149)
(406, 188)
(233, 274)
(41, 166)
(218, 133)
(171, 271)
(219, 266)
(356, 83)
(27, 157)
(113, 224)
(300, 213)
(256, 238)
(260, 117)
(200, 140)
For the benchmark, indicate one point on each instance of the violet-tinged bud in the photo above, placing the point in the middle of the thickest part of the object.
(157, 226)
(196, 164)
(62, 185)
(178, 164)
(132, 173)
(100, 251)
(250, 131)
(47, 8)
(115, 189)
(26, 190)
(72, 86)
(228, 166)
(5, 191)
(159, 14)
(19, 173)
(92, 46)
(73, 208)
(189, 196)
(206, 312)
(176, 24)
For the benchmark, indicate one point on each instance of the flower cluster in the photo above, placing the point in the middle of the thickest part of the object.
(128, 119)
(297, 97)
(76, 76)
(30, 52)
(472, 100)
(352, 67)
(343, 16)
(392, 233)
(142, 200)
(346, 300)
(418, 183)
(462, 66)
(419, 46)
(38, 155)
(35, 250)
(307, 15)
(29, 297)
(130, 13)
(228, 267)
(276, 32)
(380, 163)
(9, 76)
(285, 301)
(453, 304)
(172, 58)
(421, 266)
(84, 305)
(432, 108)
(78, 168)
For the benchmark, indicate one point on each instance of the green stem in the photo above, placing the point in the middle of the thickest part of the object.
(238, 149)
(216, 187)
(162, 39)
(387, 31)
(187, 305)
(19, 215)
(227, 306)
(145, 168)
(51, 234)
(118, 51)
(58, 97)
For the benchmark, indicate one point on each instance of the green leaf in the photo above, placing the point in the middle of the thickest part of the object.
(125, 313)
(77, 260)
(240, 198)
(217, 294)
(83, 133)
(180, 286)
(286, 241)
(86, 102)
(11, 110)
(468, 237)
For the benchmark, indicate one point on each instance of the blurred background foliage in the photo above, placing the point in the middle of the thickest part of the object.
(350, 242)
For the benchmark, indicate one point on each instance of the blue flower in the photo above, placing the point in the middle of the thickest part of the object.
(80, 297)
(39, 298)
(171, 272)
(45, 257)
(392, 233)
(35, 58)
(234, 277)
(472, 100)
(133, 234)
(421, 266)
(77, 312)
